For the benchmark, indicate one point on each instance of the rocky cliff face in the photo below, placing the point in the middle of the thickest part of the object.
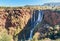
(52, 17)
(15, 20)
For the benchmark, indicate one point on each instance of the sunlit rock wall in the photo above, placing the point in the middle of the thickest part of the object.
(13, 19)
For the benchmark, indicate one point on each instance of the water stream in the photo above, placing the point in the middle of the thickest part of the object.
(35, 21)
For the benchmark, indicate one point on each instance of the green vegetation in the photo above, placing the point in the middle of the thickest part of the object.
(53, 34)
(4, 35)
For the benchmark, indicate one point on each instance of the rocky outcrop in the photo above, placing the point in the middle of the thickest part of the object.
(52, 17)
(13, 19)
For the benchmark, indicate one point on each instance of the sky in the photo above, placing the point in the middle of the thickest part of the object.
(24, 2)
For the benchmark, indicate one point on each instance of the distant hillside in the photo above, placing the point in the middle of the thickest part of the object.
(52, 4)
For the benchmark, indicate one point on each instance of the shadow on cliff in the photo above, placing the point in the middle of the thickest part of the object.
(25, 33)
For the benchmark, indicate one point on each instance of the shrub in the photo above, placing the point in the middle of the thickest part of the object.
(4, 36)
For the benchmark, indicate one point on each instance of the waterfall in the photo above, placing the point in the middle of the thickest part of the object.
(35, 22)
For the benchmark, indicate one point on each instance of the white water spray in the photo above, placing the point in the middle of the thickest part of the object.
(39, 19)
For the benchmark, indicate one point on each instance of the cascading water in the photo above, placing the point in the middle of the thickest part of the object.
(35, 22)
